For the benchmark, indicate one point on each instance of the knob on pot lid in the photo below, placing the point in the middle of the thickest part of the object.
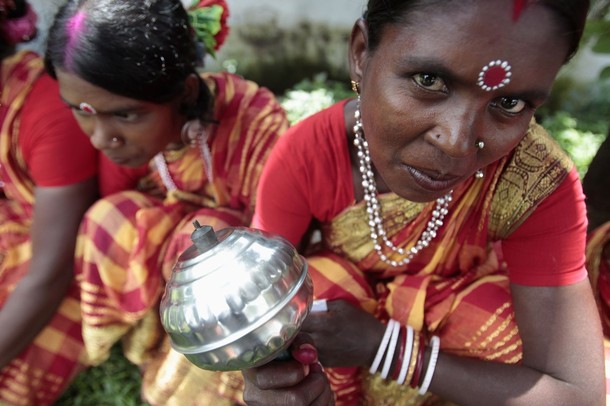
(203, 237)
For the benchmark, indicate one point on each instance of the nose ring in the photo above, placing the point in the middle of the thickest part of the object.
(479, 144)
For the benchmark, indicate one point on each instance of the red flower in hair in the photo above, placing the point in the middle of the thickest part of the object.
(209, 20)
(224, 28)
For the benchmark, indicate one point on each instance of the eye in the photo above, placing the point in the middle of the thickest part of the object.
(125, 115)
(430, 81)
(511, 105)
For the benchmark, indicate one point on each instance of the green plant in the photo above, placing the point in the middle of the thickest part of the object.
(597, 31)
(575, 137)
(115, 382)
(312, 95)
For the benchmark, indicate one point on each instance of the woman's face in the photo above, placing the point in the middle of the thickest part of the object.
(422, 109)
(129, 131)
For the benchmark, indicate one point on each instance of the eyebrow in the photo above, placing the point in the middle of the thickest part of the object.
(437, 67)
(430, 65)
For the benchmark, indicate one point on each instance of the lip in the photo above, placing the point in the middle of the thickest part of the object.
(432, 181)
(118, 160)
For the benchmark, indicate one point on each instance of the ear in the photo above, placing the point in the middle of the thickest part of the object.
(191, 90)
(358, 47)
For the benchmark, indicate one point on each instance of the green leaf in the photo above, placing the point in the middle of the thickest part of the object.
(602, 44)
(605, 73)
(206, 23)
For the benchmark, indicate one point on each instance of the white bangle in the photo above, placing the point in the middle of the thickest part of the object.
(391, 349)
(382, 347)
(406, 360)
(435, 344)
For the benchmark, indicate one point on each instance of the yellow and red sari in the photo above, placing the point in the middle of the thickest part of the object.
(43, 370)
(458, 288)
(130, 240)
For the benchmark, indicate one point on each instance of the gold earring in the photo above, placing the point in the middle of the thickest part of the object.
(356, 87)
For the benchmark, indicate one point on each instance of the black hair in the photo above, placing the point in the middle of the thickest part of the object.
(571, 14)
(19, 10)
(141, 49)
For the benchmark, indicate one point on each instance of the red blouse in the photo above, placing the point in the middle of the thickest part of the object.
(49, 134)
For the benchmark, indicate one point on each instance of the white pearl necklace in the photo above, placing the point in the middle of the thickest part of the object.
(166, 177)
(373, 208)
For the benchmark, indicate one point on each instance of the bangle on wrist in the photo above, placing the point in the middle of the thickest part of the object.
(401, 353)
(382, 346)
(406, 361)
(389, 358)
(419, 363)
(435, 343)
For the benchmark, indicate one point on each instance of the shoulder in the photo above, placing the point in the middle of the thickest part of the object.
(19, 72)
(45, 95)
(229, 87)
(535, 170)
(236, 98)
(320, 132)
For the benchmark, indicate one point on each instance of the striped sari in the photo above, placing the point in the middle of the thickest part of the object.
(471, 309)
(129, 241)
(42, 372)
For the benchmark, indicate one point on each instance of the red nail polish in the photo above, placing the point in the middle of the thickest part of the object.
(306, 354)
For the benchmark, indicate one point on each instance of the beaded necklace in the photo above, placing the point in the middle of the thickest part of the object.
(373, 207)
(163, 169)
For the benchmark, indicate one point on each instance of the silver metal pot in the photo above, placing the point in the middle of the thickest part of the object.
(236, 298)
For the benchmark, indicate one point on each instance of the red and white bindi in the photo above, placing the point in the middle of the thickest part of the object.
(494, 75)
(87, 108)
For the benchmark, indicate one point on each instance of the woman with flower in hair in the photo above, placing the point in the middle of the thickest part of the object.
(452, 226)
(47, 180)
(177, 145)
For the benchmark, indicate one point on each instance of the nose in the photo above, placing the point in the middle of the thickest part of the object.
(458, 131)
(103, 135)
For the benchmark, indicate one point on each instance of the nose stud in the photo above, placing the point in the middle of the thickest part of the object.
(479, 145)
(115, 139)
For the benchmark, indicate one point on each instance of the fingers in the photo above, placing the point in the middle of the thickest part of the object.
(303, 350)
(327, 396)
(276, 374)
(311, 390)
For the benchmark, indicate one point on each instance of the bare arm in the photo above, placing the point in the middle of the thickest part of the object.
(562, 355)
(57, 215)
(562, 351)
